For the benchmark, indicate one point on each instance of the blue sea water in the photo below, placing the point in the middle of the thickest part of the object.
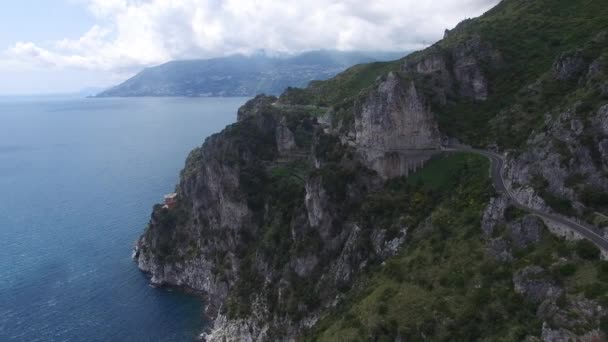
(78, 178)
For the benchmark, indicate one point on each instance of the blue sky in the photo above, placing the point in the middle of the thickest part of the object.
(44, 21)
(53, 46)
(52, 18)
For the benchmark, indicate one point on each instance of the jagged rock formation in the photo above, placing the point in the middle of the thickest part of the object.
(456, 70)
(302, 201)
(203, 244)
(563, 165)
(557, 309)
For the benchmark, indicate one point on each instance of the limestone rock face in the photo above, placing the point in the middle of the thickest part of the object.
(502, 236)
(571, 319)
(225, 209)
(467, 58)
(456, 71)
(395, 117)
(494, 214)
(317, 202)
(394, 126)
(284, 137)
(569, 149)
(569, 66)
(534, 284)
(526, 231)
(434, 65)
(181, 248)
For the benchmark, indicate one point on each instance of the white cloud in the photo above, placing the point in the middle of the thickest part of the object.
(135, 33)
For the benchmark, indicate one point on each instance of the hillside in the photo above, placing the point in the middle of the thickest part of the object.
(333, 212)
(240, 75)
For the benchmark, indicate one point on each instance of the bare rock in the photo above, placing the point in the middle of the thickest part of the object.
(493, 214)
(284, 138)
(535, 284)
(569, 66)
(601, 119)
(467, 58)
(394, 127)
(500, 249)
(526, 231)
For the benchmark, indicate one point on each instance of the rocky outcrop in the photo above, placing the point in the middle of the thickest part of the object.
(261, 103)
(457, 70)
(394, 116)
(571, 318)
(569, 66)
(282, 211)
(394, 127)
(494, 214)
(535, 284)
(467, 57)
(504, 235)
(563, 161)
(526, 231)
(238, 196)
(284, 137)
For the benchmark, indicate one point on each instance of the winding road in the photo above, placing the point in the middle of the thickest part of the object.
(496, 167)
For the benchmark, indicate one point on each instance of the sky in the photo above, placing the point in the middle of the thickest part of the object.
(57, 46)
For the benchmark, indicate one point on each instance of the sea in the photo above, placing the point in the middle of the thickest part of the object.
(78, 179)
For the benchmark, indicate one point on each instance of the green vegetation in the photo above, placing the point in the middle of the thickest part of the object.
(170, 231)
(446, 170)
(529, 35)
(442, 285)
(349, 83)
(587, 250)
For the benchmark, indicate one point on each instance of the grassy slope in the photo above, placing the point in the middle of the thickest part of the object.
(442, 285)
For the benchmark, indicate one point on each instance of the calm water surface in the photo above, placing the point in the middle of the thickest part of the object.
(78, 178)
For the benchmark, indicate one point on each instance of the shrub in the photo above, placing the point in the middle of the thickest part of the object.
(382, 309)
(587, 250)
(595, 290)
(604, 324)
(594, 198)
(602, 271)
(566, 270)
(512, 213)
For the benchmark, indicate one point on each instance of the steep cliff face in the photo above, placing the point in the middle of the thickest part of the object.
(394, 127)
(565, 314)
(456, 70)
(296, 220)
(187, 245)
(563, 166)
(267, 205)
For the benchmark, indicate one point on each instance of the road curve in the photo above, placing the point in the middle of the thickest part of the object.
(496, 166)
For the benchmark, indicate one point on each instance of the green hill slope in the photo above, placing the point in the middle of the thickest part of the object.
(329, 213)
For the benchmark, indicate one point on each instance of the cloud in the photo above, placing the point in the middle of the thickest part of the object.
(130, 34)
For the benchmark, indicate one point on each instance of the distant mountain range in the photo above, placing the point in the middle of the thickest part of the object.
(240, 75)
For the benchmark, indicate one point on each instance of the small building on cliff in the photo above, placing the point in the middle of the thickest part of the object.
(170, 200)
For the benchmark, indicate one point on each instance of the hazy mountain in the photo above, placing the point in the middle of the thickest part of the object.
(240, 75)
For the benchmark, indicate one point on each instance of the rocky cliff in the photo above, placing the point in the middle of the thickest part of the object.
(328, 213)
(265, 225)
(563, 164)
